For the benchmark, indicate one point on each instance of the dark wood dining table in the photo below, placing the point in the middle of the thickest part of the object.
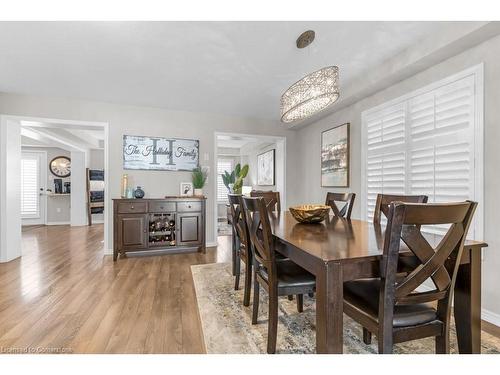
(339, 250)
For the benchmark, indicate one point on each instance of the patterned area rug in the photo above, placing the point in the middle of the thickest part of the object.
(227, 324)
(224, 229)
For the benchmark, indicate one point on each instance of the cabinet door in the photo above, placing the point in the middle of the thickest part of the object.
(189, 228)
(133, 231)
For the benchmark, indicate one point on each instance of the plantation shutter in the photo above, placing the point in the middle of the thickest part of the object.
(386, 156)
(222, 165)
(30, 206)
(424, 144)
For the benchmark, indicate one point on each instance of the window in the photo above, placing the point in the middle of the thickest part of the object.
(427, 142)
(30, 203)
(222, 165)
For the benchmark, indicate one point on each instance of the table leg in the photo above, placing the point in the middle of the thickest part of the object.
(233, 250)
(467, 305)
(329, 309)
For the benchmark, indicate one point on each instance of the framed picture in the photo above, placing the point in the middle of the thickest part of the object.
(160, 154)
(265, 168)
(186, 189)
(335, 156)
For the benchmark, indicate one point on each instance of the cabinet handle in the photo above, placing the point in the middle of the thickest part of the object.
(131, 207)
(189, 206)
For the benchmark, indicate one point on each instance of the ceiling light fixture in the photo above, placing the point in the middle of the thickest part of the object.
(311, 94)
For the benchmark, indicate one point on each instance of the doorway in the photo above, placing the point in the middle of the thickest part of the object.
(37, 185)
(236, 148)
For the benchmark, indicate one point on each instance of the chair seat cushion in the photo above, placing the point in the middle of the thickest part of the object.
(364, 294)
(290, 275)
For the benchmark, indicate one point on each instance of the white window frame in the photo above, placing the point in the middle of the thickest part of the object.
(221, 158)
(477, 72)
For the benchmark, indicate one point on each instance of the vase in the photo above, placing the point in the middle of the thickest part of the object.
(198, 192)
(138, 193)
(124, 185)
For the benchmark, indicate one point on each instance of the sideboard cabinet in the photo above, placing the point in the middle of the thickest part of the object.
(172, 224)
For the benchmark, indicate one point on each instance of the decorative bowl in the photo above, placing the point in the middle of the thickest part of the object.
(310, 213)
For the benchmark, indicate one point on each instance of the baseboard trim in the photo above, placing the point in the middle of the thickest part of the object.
(211, 244)
(108, 251)
(490, 317)
(58, 223)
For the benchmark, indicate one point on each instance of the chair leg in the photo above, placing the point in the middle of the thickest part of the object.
(443, 344)
(272, 323)
(255, 311)
(367, 336)
(300, 303)
(290, 297)
(248, 283)
(385, 345)
(237, 272)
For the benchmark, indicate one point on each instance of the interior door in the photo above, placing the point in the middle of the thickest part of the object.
(33, 181)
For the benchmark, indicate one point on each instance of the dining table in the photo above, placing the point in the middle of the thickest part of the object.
(339, 250)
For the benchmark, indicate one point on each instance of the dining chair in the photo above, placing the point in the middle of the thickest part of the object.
(391, 306)
(242, 246)
(278, 278)
(271, 199)
(345, 211)
(384, 200)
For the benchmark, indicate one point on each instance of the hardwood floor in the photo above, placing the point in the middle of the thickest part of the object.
(62, 295)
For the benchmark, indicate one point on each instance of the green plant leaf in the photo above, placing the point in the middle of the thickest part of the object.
(237, 170)
(244, 171)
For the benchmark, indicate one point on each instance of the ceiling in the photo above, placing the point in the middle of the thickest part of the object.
(81, 138)
(232, 68)
(243, 145)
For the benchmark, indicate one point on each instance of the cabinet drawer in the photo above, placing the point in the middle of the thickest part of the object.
(162, 206)
(188, 206)
(132, 207)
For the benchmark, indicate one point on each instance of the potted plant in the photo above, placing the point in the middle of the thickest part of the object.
(199, 177)
(234, 180)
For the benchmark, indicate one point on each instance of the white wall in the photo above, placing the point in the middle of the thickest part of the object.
(487, 52)
(10, 192)
(96, 159)
(154, 122)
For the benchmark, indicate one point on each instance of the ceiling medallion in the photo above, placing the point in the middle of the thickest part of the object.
(311, 94)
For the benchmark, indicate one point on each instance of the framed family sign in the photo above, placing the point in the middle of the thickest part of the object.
(162, 154)
(335, 156)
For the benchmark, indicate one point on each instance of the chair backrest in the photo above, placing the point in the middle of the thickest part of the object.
(440, 263)
(384, 200)
(345, 211)
(260, 232)
(238, 220)
(271, 199)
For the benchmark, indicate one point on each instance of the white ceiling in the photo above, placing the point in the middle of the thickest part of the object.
(235, 68)
(54, 135)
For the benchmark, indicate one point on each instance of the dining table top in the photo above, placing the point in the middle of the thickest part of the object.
(339, 239)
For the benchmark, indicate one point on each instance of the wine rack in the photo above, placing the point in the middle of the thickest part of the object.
(162, 230)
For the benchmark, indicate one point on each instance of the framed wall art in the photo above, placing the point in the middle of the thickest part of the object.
(162, 154)
(265, 168)
(335, 156)
(185, 189)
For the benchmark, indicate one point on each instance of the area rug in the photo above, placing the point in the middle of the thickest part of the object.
(227, 324)
(224, 229)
